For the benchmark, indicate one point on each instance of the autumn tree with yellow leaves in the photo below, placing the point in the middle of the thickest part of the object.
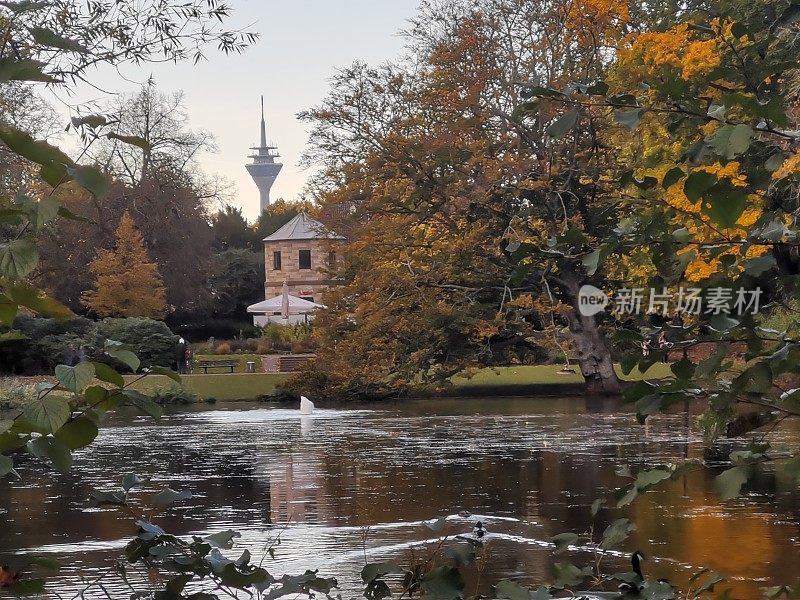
(475, 203)
(707, 126)
(126, 282)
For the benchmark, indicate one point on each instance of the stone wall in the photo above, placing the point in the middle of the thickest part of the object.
(301, 282)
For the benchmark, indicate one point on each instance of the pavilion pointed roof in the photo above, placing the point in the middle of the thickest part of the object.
(302, 227)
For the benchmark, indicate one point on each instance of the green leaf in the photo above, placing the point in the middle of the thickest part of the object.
(563, 541)
(563, 124)
(724, 204)
(232, 576)
(774, 161)
(48, 413)
(105, 373)
(683, 369)
(24, 69)
(52, 160)
(6, 465)
(91, 179)
(166, 373)
(37, 301)
(650, 477)
(90, 121)
(222, 539)
(143, 403)
(708, 585)
(133, 140)
(756, 378)
(372, 571)
(672, 177)
(27, 587)
(126, 357)
(729, 141)
(629, 118)
(616, 533)
(462, 554)
(596, 506)
(18, 258)
(76, 378)
(77, 433)
(759, 265)
(729, 483)
(443, 583)
(591, 261)
(48, 38)
(567, 574)
(49, 449)
(24, 6)
(697, 183)
(168, 496)
(107, 499)
(68, 214)
(132, 480)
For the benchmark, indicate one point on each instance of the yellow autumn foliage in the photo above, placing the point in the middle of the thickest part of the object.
(703, 265)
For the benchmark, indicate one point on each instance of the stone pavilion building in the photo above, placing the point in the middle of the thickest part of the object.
(301, 254)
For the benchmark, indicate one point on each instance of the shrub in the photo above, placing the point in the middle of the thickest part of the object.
(47, 343)
(50, 342)
(264, 347)
(173, 394)
(223, 348)
(152, 341)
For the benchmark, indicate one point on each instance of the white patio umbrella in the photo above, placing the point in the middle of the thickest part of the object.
(285, 303)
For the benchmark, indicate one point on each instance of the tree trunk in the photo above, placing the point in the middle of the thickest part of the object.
(593, 356)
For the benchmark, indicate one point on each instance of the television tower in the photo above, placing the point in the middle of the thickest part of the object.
(264, 169)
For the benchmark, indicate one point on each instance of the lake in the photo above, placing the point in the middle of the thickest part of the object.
(349, 483)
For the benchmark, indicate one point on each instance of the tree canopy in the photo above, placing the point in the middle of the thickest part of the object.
(126, 282)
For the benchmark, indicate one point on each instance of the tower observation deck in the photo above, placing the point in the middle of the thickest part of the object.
(264, 170)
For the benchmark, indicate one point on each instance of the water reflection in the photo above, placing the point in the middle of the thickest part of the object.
(528, 468)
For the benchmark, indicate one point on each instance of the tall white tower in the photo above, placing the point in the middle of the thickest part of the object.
(264, 169)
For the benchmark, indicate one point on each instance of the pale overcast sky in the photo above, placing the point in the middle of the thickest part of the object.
(302, 43)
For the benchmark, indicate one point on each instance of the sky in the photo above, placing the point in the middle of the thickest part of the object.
(302, 44)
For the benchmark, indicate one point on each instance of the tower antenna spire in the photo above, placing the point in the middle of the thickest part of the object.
(263, 126)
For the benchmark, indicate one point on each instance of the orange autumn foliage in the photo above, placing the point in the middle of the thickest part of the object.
(127, 283)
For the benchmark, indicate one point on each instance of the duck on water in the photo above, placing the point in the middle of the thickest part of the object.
(634, 586)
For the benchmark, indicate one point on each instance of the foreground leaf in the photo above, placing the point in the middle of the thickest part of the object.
(48, 413)
(76, 378)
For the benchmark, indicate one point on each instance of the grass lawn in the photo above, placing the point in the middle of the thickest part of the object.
(248, 386)
(542, 375)
(221, 386)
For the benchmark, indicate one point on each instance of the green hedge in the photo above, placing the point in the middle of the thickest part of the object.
(47, 343)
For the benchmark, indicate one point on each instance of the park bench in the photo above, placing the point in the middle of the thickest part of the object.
(214, 364)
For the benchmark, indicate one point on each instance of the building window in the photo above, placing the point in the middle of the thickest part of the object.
(332, 258)
(276, 261)
(305, 259)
